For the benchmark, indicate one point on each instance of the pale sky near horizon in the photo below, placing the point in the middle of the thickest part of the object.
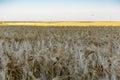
(59, 10)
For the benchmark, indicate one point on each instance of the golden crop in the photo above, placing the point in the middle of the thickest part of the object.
(60, 24)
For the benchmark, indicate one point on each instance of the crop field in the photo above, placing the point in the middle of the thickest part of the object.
(61, 24)
(59, 53)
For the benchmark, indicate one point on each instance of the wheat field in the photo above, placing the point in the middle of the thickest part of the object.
(59, 53)
(61, 24)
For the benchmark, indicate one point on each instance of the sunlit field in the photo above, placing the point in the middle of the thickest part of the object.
(59, 53)
(60, 24)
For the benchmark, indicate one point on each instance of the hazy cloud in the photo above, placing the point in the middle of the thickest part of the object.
(15, 10)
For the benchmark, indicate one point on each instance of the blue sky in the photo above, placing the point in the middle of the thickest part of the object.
(59, 10)
(64, 2)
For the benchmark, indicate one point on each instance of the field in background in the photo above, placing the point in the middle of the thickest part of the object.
(60, 24)
(59, 53)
